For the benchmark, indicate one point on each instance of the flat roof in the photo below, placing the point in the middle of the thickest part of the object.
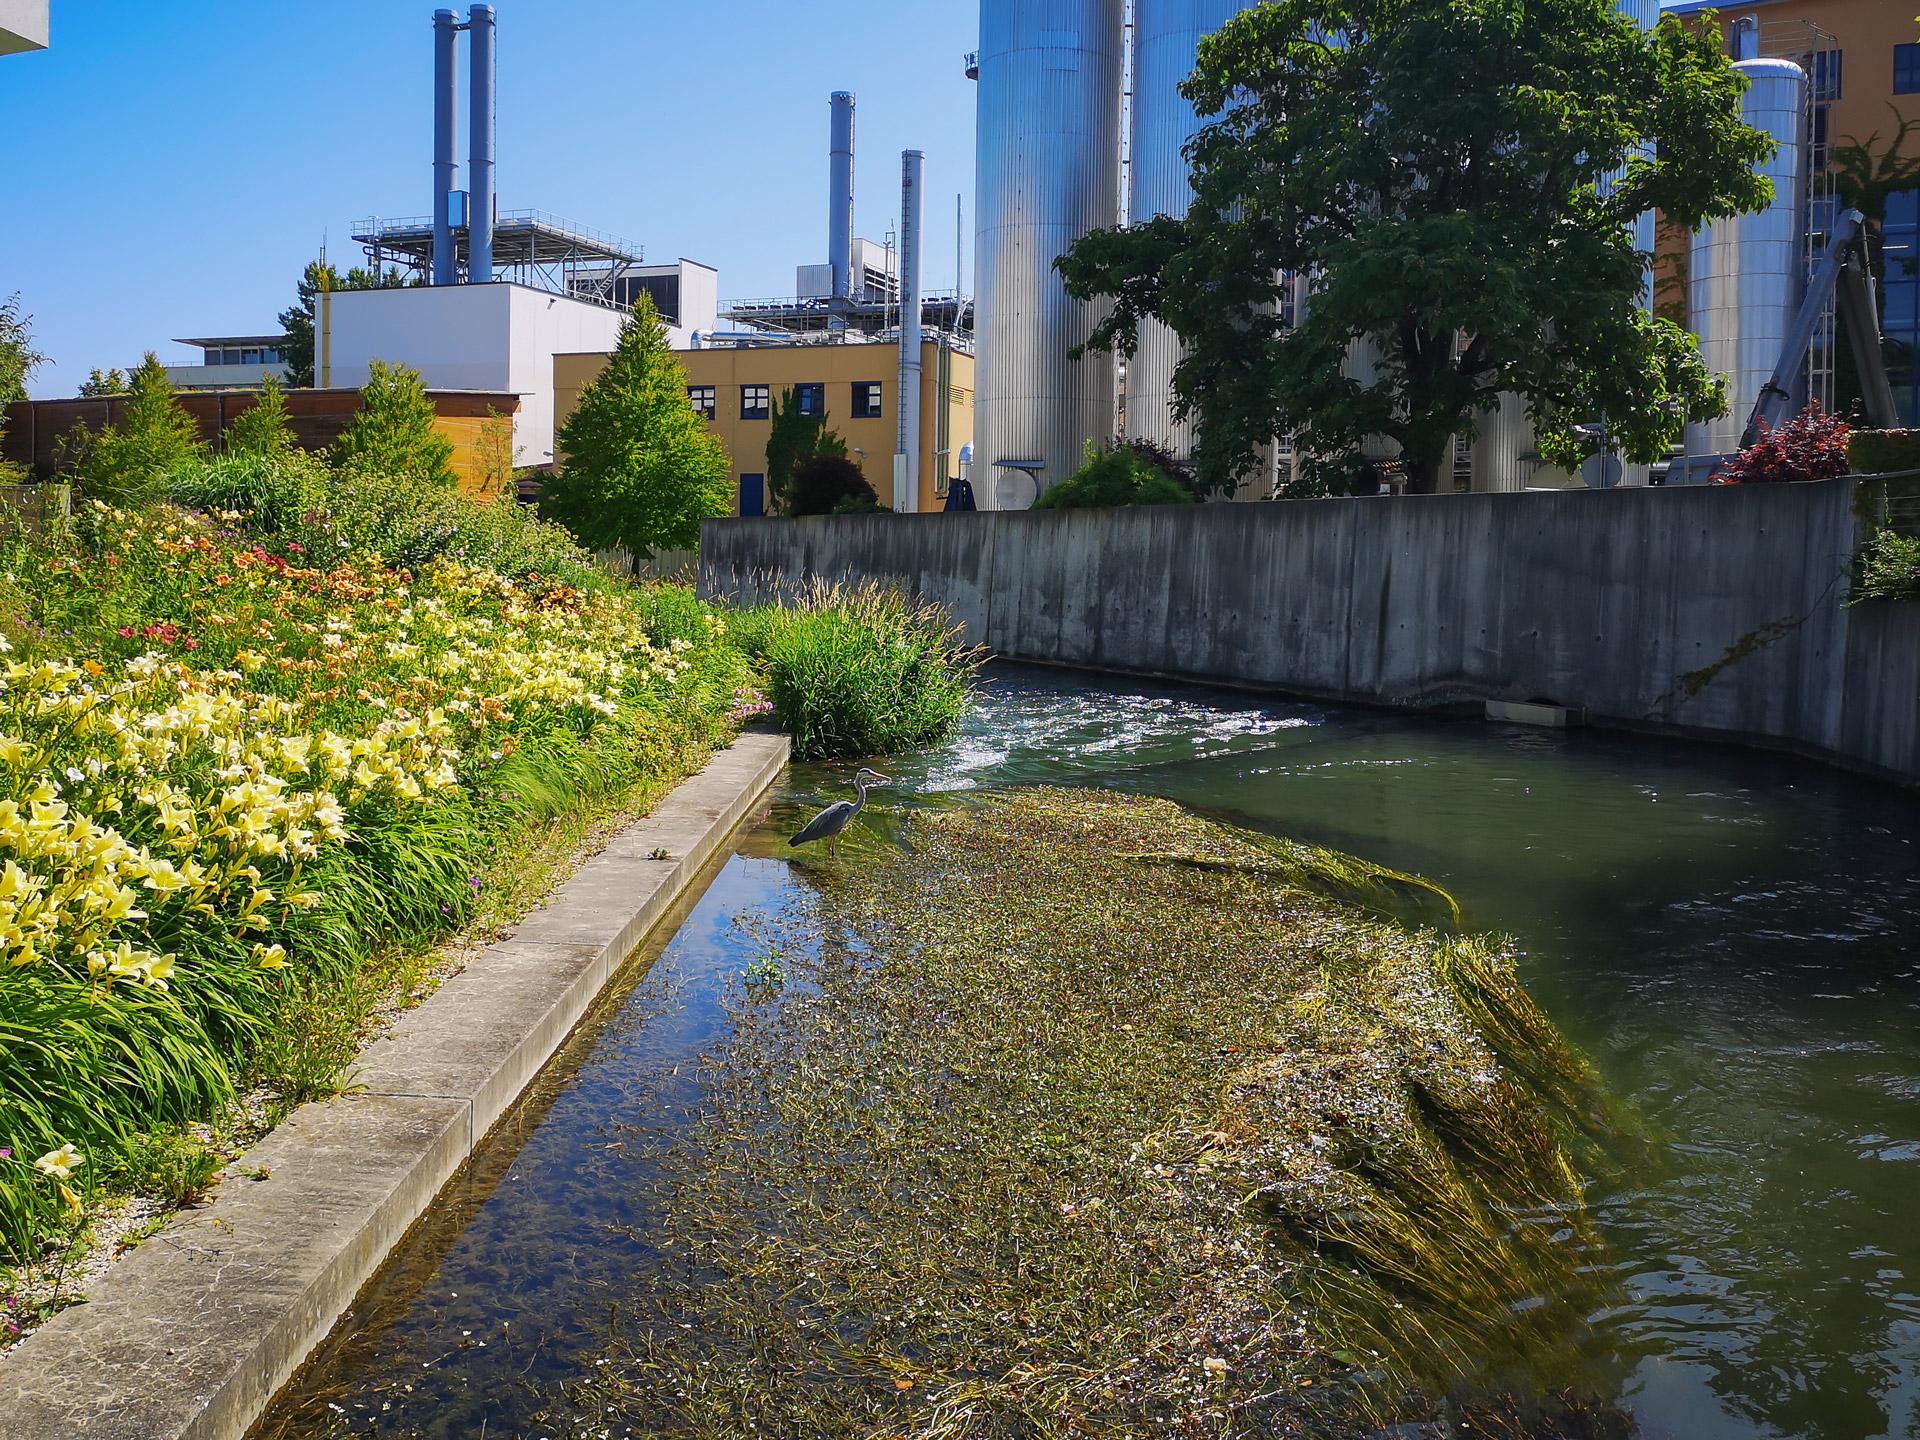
(278, 339)
(520, 237)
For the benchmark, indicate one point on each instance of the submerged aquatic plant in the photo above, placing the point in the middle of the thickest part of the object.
(1080, 1114)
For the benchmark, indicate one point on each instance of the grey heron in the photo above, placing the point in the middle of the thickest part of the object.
(828, 824)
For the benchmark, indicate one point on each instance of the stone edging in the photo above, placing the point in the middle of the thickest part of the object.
(191, 1334)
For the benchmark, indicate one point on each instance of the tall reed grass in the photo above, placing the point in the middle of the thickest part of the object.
(857, 670)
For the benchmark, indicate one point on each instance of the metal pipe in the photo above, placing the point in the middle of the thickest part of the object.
(906, 458)
(480, 138)
(445, 169)
(840, 195)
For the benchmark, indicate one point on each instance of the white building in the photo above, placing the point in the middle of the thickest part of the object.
(23, 26)
(498, 337)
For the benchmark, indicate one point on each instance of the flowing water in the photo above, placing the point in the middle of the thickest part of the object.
(1734, 938)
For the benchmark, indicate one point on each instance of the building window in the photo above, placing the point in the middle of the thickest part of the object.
(756, 402)
(1906, 69)
(701, 397)
(1900, 295)
(1824, 73)
(810, 399)
(1818, 159)
(866, 400)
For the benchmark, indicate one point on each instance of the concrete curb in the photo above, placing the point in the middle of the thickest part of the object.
(190, 1336)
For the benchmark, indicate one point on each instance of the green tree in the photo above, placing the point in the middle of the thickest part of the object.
(135, 460)
(101, 383)
(393, 434)
(1441, 171)
(298, 322)
(263, 429)
(792, 437)
(18, 358)
(830, 485)
(642, 469)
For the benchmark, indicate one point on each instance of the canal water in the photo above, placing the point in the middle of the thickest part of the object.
(1734, 938)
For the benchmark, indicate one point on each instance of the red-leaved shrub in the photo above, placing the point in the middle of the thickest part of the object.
(1810, 446)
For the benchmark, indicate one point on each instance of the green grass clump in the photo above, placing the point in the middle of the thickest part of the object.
(858, 670)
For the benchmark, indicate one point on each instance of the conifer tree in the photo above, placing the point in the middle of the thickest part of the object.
(642, 469)
(393, 436)
(263, 430)
(135, 460)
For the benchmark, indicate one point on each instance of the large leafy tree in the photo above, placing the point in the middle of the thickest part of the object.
(393, 435)
(642, 469)
(1440, 169)
(298, 322)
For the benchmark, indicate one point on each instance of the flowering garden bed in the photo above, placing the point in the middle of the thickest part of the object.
(232, 779)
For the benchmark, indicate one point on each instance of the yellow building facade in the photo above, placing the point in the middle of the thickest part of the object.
(857, 386)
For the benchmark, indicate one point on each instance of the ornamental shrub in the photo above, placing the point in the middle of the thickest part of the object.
(1810, 446)
(1120, 476)
(1888, 569)
(1881, 452)
(825, 484)
(262, 429)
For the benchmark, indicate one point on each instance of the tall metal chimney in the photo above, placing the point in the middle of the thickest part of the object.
(445, 268)
(480, 143)
(906, 460)
(840, 197)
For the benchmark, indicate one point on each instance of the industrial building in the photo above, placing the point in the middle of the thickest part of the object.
(23, 26)
(890, 368)
(1861, 64)
(1054, 104)
(856, 386)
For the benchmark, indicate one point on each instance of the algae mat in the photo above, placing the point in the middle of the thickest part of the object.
(1075, 1113)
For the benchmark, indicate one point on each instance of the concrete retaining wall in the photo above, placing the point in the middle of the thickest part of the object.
(1711, 610)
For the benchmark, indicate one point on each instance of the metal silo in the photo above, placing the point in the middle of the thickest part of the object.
(1048, 172)
(1745, 272)
(1166, 36)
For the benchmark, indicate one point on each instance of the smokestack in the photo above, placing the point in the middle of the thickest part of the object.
(480, 144)
(906, 460)
(445, 271)
(840, 197)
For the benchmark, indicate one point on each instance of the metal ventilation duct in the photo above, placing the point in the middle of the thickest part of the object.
(1166, 37)
(445, 40)
(1745, 273)
(840, 196)
(480, 143)
(1048, 172)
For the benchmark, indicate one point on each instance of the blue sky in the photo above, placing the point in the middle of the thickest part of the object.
(169, 166)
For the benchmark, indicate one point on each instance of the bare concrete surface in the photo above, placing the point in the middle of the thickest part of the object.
(1709, 610)
(190, 1336)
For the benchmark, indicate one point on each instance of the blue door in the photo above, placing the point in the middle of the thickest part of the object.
(753, 494)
